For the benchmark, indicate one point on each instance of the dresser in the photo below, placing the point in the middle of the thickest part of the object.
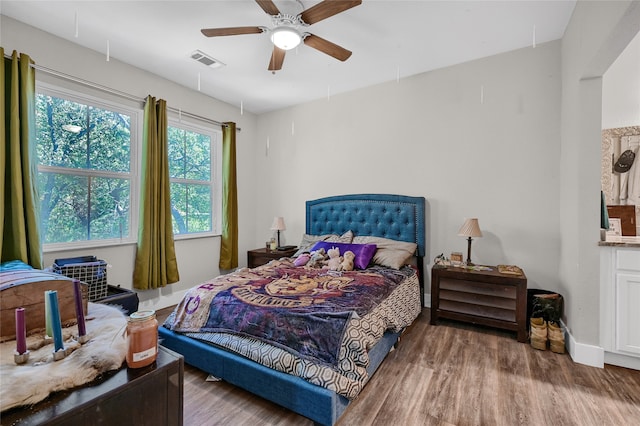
(480, 297)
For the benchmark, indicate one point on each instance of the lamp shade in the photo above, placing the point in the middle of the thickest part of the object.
(278, 224)
(470, 228)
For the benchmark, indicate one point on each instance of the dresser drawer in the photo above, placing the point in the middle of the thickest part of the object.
(477, 299)
(477, 310)
(628, 259)
(476, 287)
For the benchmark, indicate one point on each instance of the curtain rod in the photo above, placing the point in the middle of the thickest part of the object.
(119, 93)
(123, 94)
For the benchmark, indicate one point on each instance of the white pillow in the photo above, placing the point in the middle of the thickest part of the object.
(390, 253)
(309, 241)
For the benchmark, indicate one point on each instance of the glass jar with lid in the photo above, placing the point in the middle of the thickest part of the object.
(142, 339)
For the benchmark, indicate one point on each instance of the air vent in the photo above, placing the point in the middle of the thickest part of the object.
(205, 59)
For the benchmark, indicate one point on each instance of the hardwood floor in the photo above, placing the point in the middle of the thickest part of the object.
(449, 374)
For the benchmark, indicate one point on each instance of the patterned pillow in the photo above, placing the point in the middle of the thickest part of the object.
(391, 253)
(364, 252)
(309, 240)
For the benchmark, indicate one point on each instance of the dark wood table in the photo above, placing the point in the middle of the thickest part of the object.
(261, 256)
(480, 297)
(150, 395)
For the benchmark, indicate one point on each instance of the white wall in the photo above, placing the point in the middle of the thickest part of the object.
(430, 135)
(197, 258)
(597, 33)
(621, 89)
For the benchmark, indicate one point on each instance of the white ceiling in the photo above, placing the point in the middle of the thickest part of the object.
(390, 39)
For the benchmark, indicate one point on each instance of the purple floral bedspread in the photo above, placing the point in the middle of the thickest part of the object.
(301, 310)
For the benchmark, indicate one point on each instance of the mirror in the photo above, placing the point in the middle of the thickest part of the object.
(621, 176)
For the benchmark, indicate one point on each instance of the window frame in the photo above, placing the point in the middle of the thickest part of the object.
(215, 134)
(133, 175)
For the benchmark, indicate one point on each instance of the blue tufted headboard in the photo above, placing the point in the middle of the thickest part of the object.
(398, 217)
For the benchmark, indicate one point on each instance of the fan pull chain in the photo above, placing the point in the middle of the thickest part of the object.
(108, 53)
(534, 36)
(76, 20)
(241, 108)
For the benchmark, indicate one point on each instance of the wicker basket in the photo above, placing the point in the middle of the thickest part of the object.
(87, 269)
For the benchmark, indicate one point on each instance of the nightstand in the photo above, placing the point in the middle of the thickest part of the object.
(261, 256)
(480, 297)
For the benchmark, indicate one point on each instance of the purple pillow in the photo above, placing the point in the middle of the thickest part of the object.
(364, 252)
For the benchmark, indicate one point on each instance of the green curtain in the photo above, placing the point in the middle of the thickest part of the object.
(20, 218)
(229, 241)
(156, 264)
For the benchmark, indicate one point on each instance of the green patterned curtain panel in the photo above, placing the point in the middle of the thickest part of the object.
(20, 219)
(229, 241)
(156, 264)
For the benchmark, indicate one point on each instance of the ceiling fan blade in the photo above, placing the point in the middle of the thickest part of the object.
(268, 6)
(217, 32)
(277, 58)
(327, 47)
(326, 9)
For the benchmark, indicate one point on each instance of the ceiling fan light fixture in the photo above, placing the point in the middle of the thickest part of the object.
(286, 38)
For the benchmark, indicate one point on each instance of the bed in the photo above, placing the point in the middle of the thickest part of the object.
(361, 217)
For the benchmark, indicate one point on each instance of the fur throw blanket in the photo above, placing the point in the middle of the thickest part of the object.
(32, 382)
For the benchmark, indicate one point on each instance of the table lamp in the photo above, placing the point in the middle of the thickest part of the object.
(278, 225)
(470, 229)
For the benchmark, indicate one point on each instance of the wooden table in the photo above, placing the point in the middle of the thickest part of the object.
(262, 256)
(480, 297)
(150, 395)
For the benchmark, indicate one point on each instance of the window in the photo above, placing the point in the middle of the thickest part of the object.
(192, 167)
(86, 151)
(87, 171)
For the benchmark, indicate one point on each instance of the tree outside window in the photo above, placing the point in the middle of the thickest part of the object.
(87, 171)
(190, 168)
(85, 178)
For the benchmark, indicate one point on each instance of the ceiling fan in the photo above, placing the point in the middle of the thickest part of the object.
(288, 29)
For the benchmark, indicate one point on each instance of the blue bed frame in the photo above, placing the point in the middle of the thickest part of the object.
(383, 215)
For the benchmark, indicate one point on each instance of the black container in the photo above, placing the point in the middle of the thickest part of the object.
(531, 292)
(126, 299)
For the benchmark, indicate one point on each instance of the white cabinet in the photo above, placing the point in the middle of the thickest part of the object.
(628, 312)
(620, 305)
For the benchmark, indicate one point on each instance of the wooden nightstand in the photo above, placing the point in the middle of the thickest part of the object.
(480, 297)
(261, 256)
